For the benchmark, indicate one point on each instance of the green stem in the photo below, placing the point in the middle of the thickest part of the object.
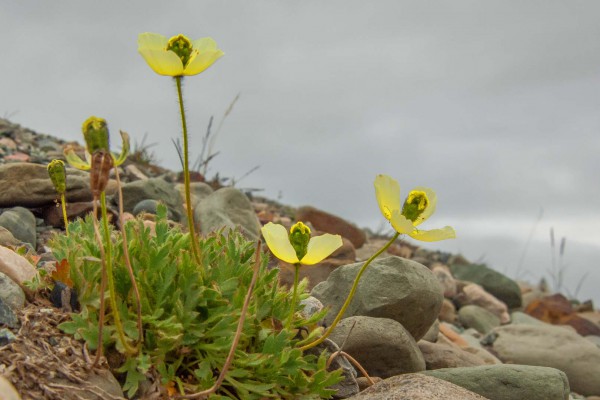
(111, 278)
(63, 203)
(294, 296)
(350, 295)
(186, 175)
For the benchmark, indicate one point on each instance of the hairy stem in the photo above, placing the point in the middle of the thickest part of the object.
(63, 203)
(294, 296)
(186, 175)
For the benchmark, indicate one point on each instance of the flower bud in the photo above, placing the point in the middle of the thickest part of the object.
(102, 163)
(299, 238)
(58, 175)
(95, 132)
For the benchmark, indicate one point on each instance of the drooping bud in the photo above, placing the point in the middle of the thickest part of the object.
(58, 175)
(95, 132)
(102, 163)
(299, 238)
(415, 204)
(182, 46)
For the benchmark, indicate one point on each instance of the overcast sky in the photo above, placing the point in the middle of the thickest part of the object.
(495, 105)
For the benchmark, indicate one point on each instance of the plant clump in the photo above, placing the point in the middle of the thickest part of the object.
(190, 313)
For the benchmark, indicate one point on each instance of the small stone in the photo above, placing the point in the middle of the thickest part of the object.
(11, 293)
(7, 316)
(6, 337)
(7, 390)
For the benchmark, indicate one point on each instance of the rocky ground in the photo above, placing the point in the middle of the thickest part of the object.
(424, 325)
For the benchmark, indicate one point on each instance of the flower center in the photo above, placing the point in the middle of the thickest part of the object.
(299, 238)
(415, 204)
(182, 46)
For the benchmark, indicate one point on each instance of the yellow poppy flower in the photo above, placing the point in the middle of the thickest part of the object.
(418, 207)
(178, 56)
(298, 247)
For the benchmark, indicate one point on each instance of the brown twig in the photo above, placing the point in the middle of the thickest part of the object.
(127, 260)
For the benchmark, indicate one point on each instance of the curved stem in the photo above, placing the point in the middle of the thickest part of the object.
(294, 295)
(136, 291)
(186, 174)
(63, 203)
(111, 279)
(350, 295)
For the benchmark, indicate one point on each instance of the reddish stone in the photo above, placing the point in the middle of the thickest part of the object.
(17, 157)
(329, 223)
(558, 310)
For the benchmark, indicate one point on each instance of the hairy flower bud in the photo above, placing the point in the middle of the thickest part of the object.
(299, 238)
(58, 175)
(95, 132)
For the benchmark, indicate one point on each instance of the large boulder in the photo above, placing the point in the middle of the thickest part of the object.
(499, 285)
(393, 288)
(227, 207)
(153, 189)
(550, 346)
(381, 345)
(508, 382)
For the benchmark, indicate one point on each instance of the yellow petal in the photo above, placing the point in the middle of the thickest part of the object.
(204, 44)
(400, 223)
(152, 41)
(430, 209)
(202, 61)
(124, 149)
(321, 247)
(434, 235)
(387, 192)
(278, 241)
(163, 62)
(75, 161)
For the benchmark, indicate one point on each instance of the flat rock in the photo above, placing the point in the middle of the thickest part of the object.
(551, 346)
(28, 185)
(416, 387)
(393, 288)
(381, 345)
(508, 382)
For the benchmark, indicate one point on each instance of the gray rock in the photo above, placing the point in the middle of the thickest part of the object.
(433, 332)
(381, 345)
(227, 207)
(28, 185)
(393, 287)
(508, 382)
(198, 190)
(7, 316)
(439, 355)
(499, 285)
(153, 189)
(348, 386)
(416, 387)
(520, 318)
(21, 223)
(478, 318)
(551, 346)
(11, 293)
(6, 337)
(149, 206)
